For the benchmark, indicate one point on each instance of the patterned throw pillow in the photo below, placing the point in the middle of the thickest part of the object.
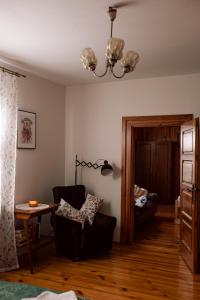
(71, 213)
(90, 207)
(138, 192)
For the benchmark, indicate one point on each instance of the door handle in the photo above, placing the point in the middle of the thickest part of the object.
(194, 189)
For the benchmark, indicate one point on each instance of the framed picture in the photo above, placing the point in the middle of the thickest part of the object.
(26, 130)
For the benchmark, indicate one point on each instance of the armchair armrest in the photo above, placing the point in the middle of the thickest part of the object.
(102, 220)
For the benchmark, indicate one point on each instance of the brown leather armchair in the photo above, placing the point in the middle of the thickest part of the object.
(73, 241)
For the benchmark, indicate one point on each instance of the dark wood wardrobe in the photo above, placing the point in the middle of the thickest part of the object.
(157, 161)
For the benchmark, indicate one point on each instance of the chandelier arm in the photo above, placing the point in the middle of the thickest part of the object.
(116, 76)
(102, 74)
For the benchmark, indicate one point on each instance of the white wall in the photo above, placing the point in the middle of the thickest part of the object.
(39, 170)
(94, 124)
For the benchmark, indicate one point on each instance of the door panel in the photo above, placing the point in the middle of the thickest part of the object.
(187, 172)
(189, 181)
(188, 141)
(187, 237)
(186, 203)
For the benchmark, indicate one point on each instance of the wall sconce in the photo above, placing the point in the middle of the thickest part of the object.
(106, 168)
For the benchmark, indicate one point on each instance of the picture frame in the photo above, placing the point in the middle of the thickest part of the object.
(26, 130)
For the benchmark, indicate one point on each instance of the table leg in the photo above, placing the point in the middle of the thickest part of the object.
(26, 229)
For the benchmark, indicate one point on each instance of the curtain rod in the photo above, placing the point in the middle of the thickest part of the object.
(12, 72)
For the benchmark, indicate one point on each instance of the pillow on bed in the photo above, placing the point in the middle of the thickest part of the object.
(67, 211)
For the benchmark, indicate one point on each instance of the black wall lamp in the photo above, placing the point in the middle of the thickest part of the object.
(106, 168)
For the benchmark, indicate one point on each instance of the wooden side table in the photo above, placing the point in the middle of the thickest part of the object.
(25, 216)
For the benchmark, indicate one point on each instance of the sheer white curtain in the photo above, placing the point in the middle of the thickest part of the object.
(8, 136)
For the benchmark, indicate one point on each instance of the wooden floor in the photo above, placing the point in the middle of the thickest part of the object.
(149, 269)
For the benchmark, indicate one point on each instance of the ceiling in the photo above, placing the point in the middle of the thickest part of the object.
(46, 37)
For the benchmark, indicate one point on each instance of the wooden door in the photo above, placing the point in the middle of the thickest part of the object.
(189, 192)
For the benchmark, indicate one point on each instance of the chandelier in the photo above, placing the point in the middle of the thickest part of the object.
(114, 52)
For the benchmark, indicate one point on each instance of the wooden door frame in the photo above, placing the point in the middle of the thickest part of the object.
(128, 124)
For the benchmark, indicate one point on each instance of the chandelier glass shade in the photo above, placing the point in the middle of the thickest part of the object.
(114, 53)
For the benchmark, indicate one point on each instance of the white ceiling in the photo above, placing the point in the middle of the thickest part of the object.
(46, 37)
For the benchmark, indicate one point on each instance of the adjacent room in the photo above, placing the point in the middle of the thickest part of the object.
(99, 149)
(157, 171)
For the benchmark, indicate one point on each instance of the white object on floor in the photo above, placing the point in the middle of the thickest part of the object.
(25, 206)
(70, 295)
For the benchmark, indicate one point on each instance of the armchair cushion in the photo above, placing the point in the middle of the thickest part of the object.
(71, 213)
(90, 207)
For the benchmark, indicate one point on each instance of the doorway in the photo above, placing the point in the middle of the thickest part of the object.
(131, 126)
(157, 161)
(189, 179)
(157, 175)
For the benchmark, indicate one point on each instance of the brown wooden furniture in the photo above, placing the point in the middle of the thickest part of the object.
(25, 216)
(153, 169)
(157, 161)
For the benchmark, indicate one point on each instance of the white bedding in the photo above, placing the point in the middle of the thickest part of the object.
(70, 295)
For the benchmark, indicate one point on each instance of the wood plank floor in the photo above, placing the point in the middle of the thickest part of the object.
(151, 269)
